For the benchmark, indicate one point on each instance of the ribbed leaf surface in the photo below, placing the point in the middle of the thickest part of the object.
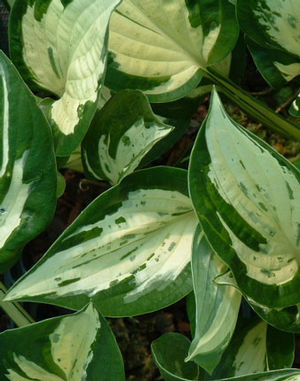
(160, 47)
(61, 46)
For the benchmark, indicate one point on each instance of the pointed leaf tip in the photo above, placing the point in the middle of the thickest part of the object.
(231, 180)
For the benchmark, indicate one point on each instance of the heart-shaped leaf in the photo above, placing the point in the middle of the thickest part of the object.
(129, 251)
(160, 47)
(61, 46)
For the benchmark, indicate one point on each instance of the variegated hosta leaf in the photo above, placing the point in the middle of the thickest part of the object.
(27, 166)
(266, 61)
(161, 47)
(74, 348)
(275, 26)
(129, 251)
(247, 198)
(285, 319)
(256, 347)
(60, 46)
(121, 134)
(217, 307)
(168, 353)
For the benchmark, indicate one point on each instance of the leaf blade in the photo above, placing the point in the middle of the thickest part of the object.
(128, 251)
(261, 228)
(164, 55)
(61, 348)
(27, 187)
(122, 133)
(255, 347)
(217, 308)
(169, 352)
(53, 51)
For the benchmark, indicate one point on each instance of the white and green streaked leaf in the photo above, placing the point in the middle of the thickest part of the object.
(121, 134)
(275, 26)
(61, 46)
(27, 186)
(246, 196)
(265, 59)
(75, 347)
(217, 307)
(129, 251)
(170, 350)
(255, 348)
(285, 319)
(272, 23)
(161, 47)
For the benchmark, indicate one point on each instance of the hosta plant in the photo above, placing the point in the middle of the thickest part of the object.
(117, 83)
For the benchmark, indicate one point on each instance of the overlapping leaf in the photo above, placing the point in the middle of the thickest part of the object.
(256, 347)
(285, 319)
(129, 251)
(274, 28)
(170, 350)
(122, 133)
(160, 47)
(60, 46)
(217, 307)
(247, 199)
(75, 347)
(27, 184)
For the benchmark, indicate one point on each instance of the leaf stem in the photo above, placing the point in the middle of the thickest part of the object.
(14, 310)
(254, 107)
